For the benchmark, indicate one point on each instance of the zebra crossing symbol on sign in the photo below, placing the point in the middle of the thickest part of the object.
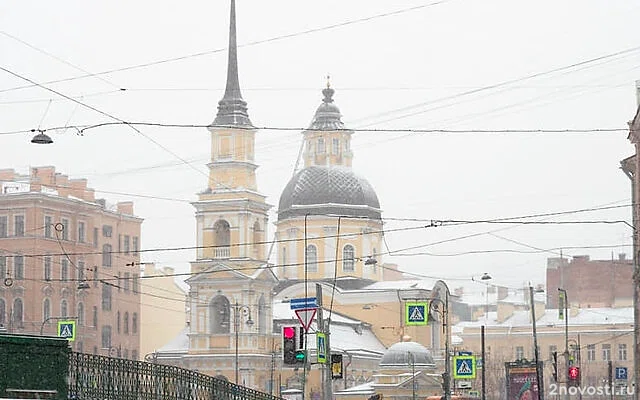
(67, 330)
(464, 367)
(416, 313)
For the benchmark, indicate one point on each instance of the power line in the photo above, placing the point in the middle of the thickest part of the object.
(253, 43)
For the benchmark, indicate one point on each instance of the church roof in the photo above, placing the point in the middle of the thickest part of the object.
(319, 190)
(232, 109)
(327, 116)
(406, 353)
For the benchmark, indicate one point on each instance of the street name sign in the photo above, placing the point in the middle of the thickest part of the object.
(303, 303)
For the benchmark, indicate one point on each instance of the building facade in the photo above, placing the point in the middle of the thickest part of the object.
(66, 255)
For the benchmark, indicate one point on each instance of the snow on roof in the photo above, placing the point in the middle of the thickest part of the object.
(283, 311)
(585, 316)
(177, 344)
(365, 388)
(403, 284)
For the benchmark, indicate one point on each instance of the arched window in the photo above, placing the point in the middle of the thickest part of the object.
(312, 258)
(64, 269)
(80, 314)
(126, 323)
(222, 233)
(262, 315)
(47, 268)
(63, 308)
(134, 323)
(106, 255)
(18, 312)
(348, 261)
(46, 310)
(3, 312)
(219, 313)
(94, 317)
(118, 322)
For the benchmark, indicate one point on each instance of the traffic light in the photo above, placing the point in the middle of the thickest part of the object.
(573, 375)
(289, 345)
(336, 366)
(554, 364)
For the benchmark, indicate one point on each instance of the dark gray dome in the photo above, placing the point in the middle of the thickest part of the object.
(400, 355)
(328, 191)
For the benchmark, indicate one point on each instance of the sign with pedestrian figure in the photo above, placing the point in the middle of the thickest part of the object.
(464, 367)
(416, 313)
(67, 330)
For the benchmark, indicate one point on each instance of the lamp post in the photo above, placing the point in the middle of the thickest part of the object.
(536, 354)
(446, 377)
(236, 325)
(565, 302)
(413, 374)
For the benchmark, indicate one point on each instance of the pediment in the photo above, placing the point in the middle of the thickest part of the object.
(219, 271)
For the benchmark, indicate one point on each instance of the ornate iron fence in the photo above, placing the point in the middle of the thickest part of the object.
(94, 377)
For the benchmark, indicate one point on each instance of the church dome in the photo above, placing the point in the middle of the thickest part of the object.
(400, 355)
(319, 190)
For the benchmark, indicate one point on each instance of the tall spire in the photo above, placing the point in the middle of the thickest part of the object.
(232, 109)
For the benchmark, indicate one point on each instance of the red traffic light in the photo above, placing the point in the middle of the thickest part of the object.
(574, 373)
(288, 332)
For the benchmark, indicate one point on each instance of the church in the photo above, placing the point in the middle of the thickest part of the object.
(328, 238)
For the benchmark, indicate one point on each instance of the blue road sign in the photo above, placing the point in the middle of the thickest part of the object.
(415, 313)
(67, 330)
(303, 303)
(464, 367)
(621, 373)
(465, 353)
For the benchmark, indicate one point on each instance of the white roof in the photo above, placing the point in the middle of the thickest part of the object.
(426, 284)
(585, 316)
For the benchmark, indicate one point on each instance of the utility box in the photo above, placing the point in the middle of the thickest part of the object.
(33, 367)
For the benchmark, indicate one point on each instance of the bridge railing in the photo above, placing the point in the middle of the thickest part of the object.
(95, 377)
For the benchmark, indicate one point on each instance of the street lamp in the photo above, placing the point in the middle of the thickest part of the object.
(41, 138)
(485, 278)
(446, 377)
(236, 324)
(536, 354)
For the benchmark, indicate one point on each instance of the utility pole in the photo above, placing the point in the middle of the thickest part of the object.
(484, 364)
(565, 302)
(535, 346)
(324, 327)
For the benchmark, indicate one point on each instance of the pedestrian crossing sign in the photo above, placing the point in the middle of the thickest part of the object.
(67, 330)
(416, 313)
(464, 367)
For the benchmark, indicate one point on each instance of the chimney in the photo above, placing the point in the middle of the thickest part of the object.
(622, 257)
(125, 207)
(102, 202)
(504, 311)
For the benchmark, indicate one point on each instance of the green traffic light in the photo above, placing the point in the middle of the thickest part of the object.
(300, 355)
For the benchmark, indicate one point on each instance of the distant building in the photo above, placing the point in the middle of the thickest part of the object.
(66, 255)
(591, 283)
(595, 337)
(163, 308)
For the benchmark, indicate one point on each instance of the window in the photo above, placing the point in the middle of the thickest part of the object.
(106, 297)
(64, 309)
(3, 226)
(118, 322)
(284, 257)
(18, 312)
(107, 230)
(127, 281)
(312, 258)
(18, 225)
(222, 233)
(48, 226)
(119, 282)
(374, 266)
(519, 352)
(622, 352)
(126, 244)
(95, 276)
(262, 315)
(106, 255)
(81, 232)
(219, 313)
(135, 246)
(136, 283)
(95, 237)
(18, 267)
(348, 261)
(106, 337)
(3, 267)
(65, 229)
(64, 269)
(46, 310)
(80, 271)
(119, 243)
(336, 146)
(591, 352)
(321, 148)
(134, 323)
(134, 355)
(3, 312)
(94, 317)
(47, 268)
(606, 352)
(126, 323)
(80, 314)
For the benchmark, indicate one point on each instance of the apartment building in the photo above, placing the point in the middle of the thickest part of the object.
(66, 255)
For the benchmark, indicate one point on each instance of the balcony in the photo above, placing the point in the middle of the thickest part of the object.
(221, 252)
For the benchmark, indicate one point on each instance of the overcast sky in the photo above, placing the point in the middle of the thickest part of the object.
(491, 65)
